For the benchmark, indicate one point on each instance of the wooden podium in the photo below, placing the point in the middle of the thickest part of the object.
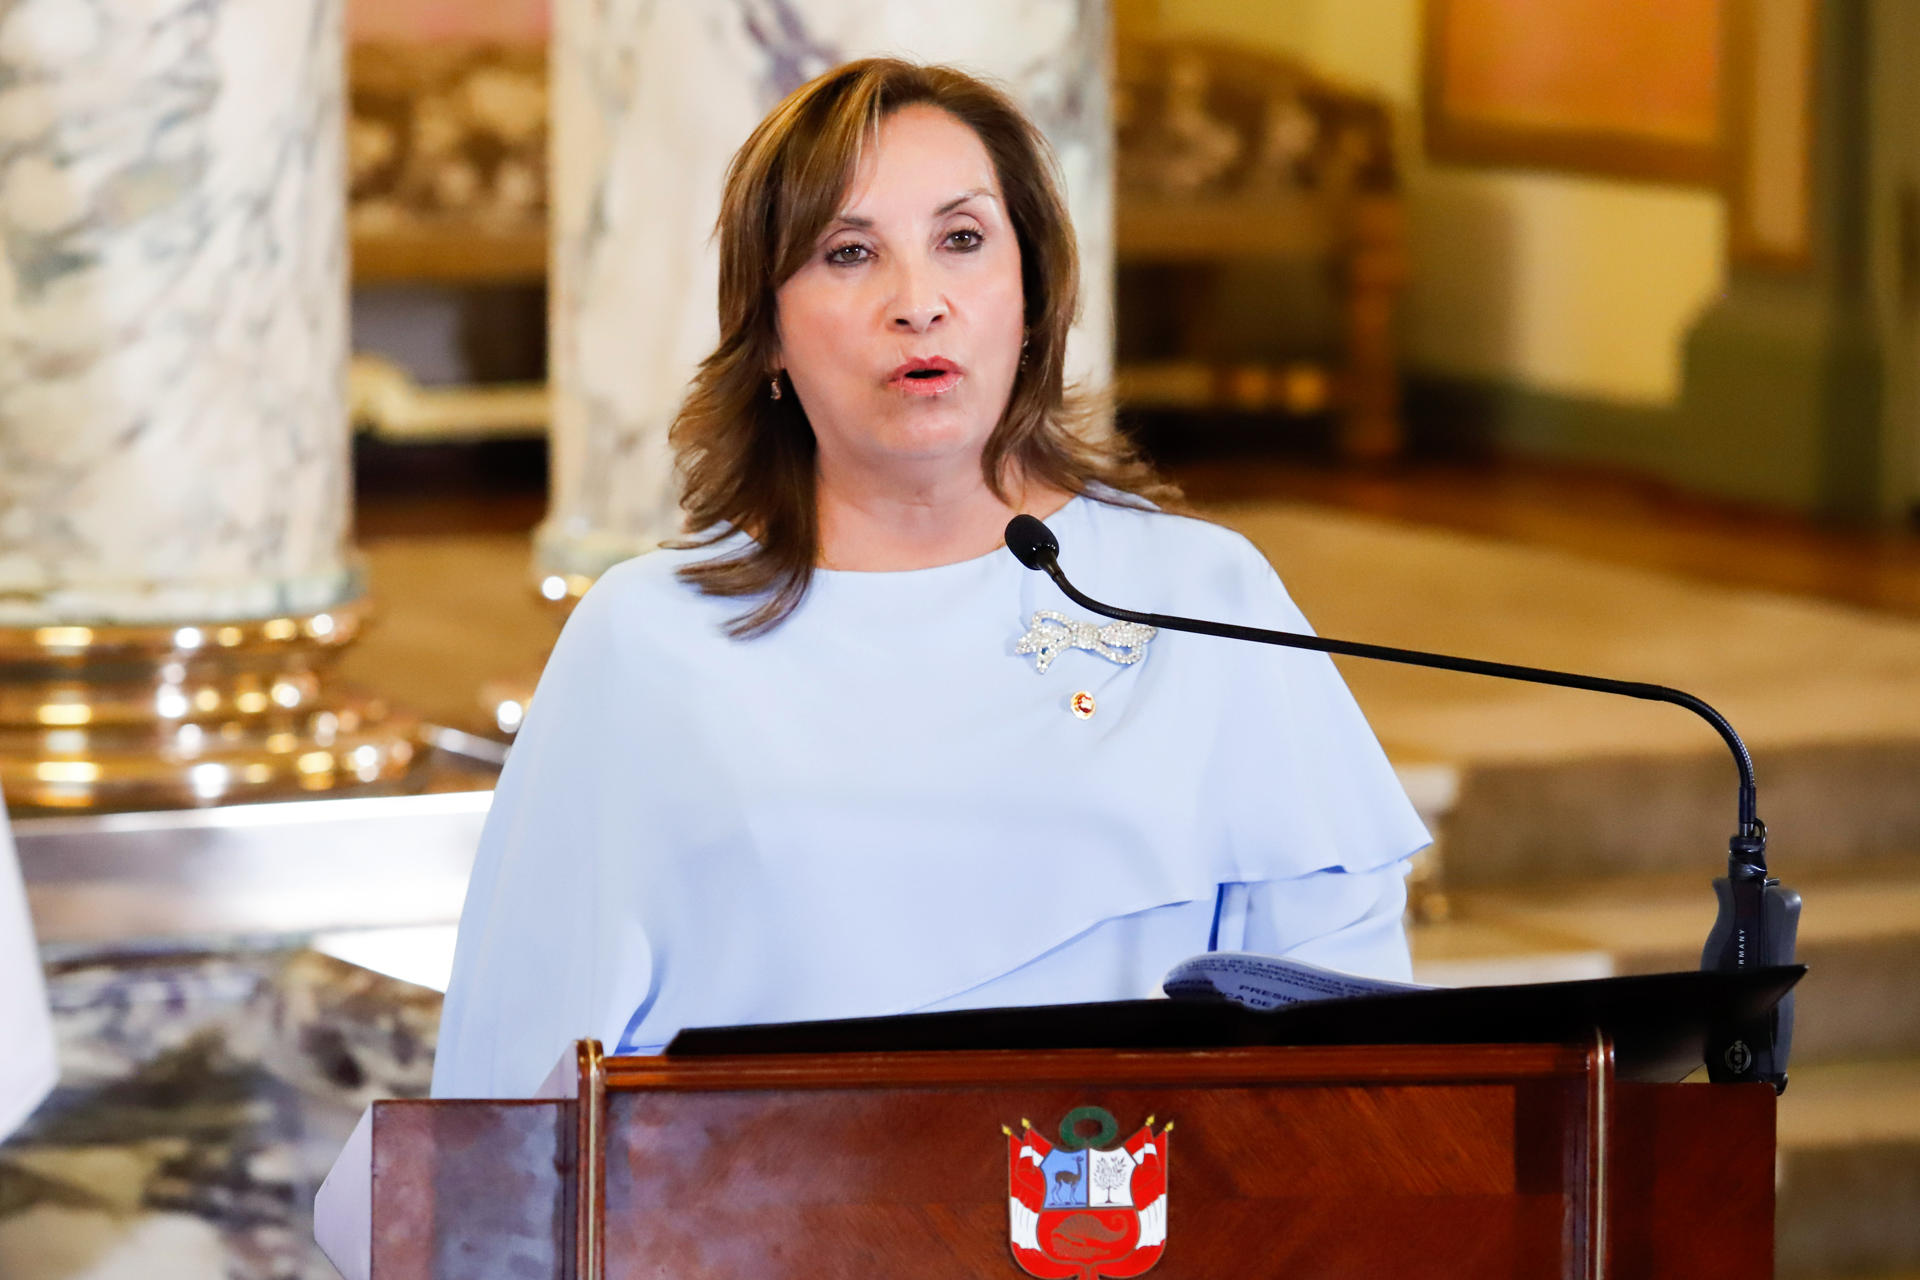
(1460, 1160)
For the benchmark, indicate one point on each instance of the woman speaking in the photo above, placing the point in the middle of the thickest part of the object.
(838, 753)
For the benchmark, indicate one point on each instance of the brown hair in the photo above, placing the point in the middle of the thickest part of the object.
(747, 460)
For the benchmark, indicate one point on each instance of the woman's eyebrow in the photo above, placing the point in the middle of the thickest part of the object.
(845, 219)
(962, 198)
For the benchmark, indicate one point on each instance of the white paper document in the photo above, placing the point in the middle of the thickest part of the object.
(1269, 982)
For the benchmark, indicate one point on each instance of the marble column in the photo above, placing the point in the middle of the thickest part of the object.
(174, 438)
(173, 425)
(650, 102)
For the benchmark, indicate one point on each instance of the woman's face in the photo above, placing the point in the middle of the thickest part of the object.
(902, 333)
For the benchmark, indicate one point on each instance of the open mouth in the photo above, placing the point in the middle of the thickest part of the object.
(925, 377)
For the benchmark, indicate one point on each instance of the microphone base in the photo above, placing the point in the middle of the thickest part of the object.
(1758, 925)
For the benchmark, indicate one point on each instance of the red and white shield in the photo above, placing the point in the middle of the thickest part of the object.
(1087, 1212)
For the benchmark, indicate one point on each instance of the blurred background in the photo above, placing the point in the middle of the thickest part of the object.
(340, 341)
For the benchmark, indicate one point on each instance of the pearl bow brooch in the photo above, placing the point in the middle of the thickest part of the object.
(1051, 634)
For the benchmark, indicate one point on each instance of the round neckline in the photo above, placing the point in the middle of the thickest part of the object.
(953, 566)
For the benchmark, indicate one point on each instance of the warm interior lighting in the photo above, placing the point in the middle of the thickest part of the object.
(65, 713)
(67, 771)
(63, 637)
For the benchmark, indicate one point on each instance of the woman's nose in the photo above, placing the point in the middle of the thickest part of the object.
(918, 319)
(919, 303)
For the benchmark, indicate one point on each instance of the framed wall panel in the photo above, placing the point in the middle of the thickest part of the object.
(1624, 88)
(1772, 57)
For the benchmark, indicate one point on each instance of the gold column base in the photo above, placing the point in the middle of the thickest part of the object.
(120, 717)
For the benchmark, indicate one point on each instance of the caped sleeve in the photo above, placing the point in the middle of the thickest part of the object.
(1303, 767)
(1346, 920)
(1308, 775)
(543, 954)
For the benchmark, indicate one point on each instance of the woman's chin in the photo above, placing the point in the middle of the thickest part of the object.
(918, 447)
(933, 426)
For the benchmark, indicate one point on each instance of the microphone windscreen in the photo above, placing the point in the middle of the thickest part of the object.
(1031, 542)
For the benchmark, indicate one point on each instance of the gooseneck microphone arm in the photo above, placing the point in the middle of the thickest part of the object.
(1758, 917)
(1749, 823)
(1044, 551)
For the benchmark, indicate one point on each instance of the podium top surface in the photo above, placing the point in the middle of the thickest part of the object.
(1659, 1023)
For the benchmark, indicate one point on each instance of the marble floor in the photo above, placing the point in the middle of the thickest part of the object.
(202, 1098)
(1613, 517)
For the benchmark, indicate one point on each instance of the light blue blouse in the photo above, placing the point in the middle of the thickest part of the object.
(880, 807)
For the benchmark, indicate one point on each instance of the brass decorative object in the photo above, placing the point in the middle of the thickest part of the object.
(114, 717)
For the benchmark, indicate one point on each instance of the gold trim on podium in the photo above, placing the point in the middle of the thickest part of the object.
(112, 717)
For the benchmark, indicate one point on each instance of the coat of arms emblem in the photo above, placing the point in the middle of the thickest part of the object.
(1084, 1208)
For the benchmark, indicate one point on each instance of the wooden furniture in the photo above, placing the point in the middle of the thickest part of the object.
(1259, 240)
(447, 162)
(1431, 1161)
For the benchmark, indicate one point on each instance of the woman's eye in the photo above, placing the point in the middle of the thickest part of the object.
(965, 240)
(845, 254)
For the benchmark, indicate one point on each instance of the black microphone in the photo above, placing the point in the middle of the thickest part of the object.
(1759, 917)
(1034, 545)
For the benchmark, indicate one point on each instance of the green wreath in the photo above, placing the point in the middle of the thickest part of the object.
(1070, 1138)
